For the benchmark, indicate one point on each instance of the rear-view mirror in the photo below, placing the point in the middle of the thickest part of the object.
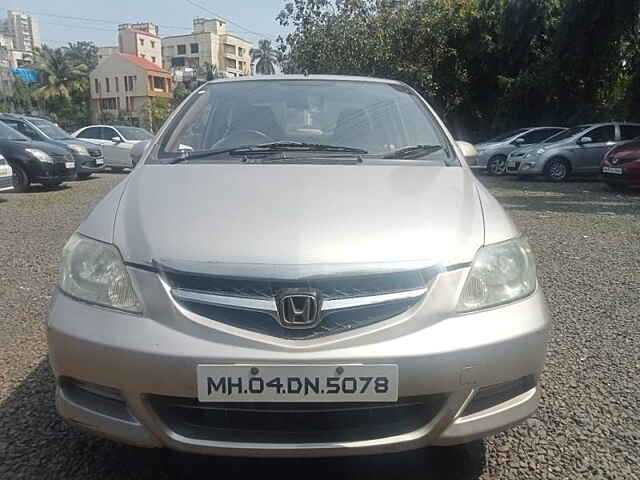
(469, 151)
(137, 151)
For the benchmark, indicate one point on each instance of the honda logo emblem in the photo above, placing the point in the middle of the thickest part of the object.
(298, 309)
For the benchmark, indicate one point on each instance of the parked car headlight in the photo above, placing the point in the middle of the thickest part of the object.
(94, 271)
(500, 273)
(79, 149)
(40, 155)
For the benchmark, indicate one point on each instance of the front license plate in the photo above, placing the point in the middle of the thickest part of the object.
(99, 162)
(70, 164)
(297, 383)
(614, 170)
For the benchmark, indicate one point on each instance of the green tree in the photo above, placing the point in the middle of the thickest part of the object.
(59, 76)
(154, 112)
(82, 53)
(265, 58)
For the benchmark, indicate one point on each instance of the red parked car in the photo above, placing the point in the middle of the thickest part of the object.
(621, 165)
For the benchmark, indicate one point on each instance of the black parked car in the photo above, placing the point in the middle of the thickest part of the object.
(35, 162)
(88, 157)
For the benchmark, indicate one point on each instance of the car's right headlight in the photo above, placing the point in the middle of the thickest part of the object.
(79, 149)
(94, 271)
(40, 155)
(500, 273)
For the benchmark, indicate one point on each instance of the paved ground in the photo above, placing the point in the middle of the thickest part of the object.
(588, 245)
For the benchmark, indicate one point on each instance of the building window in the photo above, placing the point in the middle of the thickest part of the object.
(177, 62)
(182, 49)
(107, 85)
(117, 84)
(153, 44)
(142, 55)
(229, 49)
(97, 85)
(142, 41)
(108, 104)
(229, 63)
(240, 52)
(159, 83)
(195, 48)
(128, 83)
(153, 59)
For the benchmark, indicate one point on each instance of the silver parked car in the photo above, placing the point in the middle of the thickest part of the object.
(298, 266)
(6, 175)
(578, 150)
(492, 154)
(116, 142)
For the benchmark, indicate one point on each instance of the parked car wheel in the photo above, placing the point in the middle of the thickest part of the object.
(117, 169)
(557, 170)
(83, 176)
(497, 166)
(20, 179)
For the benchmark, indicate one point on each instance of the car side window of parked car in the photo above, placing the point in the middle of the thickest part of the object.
(108, 133)
(606, 133)
(537, 136)
(629, 132)
(90, 133)
(23, 128)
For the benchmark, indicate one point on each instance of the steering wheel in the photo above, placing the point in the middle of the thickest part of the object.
(242, 137)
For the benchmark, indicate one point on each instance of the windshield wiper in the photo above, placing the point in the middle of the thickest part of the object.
(413, 151)
(272, 147)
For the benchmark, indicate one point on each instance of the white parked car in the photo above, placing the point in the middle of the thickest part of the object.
(6, 175)
(116, 142)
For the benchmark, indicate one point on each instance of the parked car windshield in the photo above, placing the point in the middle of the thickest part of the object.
(50, 129)
(377, 118)
(567, 134)
(8, 133)
(135, 133)
(506, 136)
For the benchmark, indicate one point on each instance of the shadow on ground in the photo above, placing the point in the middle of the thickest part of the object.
(578, 196)
(36, 443)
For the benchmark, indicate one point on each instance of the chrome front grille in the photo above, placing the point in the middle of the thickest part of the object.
(347, 302)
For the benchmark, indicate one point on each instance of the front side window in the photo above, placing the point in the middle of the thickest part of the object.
(91, 132)
(8, 133)
(537, 136)
(602, 134)
(135, 133)
(378, 118)
(629, 132)
(567, 134)
(50, 129)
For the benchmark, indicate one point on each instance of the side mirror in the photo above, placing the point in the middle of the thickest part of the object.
(137, 151)
(584, 140)
(518, 141)
(116, 139)
(469, 151)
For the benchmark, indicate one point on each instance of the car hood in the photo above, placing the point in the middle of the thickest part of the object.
(629, 150)
(46, 147)
(487, 145)
(297, 215)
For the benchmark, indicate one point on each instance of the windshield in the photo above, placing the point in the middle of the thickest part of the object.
(376, 118)
(135, 133)
(508, 135)
(567, 134)
(50, 129)
(8, 133)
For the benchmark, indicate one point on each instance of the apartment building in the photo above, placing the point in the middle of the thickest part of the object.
(208, 43)
(104, 52)
(123, 83)
(141, 40)
(20, 35)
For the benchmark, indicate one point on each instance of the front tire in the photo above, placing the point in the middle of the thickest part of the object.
(117, 169)
(21, 180)
(557, 170)
(83, 176)
(497, 166)
(52, 183)
(617, 187)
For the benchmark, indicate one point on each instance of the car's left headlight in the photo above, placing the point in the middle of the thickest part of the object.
(94, 271)
(500, 273)
(40, 155)
(79, 149)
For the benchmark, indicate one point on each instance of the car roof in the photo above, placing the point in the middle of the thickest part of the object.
(273, 78)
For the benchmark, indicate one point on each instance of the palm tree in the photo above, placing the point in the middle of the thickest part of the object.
(265, 58)
(59, 77)
(209, 72)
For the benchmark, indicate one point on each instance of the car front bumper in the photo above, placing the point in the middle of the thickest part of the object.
(88, 163)
(111, 367)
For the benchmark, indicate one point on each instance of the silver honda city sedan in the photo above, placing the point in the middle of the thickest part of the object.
(298, 266)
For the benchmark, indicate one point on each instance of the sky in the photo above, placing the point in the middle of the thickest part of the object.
(63, 21)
